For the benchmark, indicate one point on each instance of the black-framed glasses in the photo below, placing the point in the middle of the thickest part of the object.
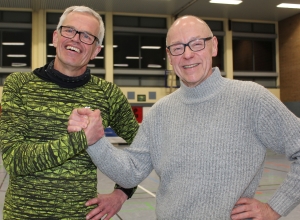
(84, 37)
(195, 45)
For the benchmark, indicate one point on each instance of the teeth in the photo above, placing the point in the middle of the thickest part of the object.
(190, 66)
(73, 48)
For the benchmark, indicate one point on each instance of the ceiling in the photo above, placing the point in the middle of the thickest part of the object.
(264, 10)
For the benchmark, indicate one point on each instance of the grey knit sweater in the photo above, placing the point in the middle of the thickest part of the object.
(208, 144)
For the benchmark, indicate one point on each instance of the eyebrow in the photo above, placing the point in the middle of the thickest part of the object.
(179, 42)
(78, 30)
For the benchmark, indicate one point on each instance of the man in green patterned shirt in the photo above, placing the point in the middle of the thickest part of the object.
(51, 175)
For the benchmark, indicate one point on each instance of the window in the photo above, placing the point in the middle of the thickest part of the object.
(15, 42)
(139, 51)
(254, 50)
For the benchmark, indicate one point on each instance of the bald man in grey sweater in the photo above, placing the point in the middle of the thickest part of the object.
(206, 141)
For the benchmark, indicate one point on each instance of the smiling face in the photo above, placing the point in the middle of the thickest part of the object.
(192, 67)
(72, 56)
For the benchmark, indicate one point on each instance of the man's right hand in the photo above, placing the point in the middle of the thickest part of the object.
(88, 120)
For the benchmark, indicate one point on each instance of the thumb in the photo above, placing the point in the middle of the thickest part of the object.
(84, 111)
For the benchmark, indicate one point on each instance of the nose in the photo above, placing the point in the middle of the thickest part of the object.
(76, 36)
(188, 52)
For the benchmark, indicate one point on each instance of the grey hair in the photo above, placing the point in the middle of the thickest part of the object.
(84, 9)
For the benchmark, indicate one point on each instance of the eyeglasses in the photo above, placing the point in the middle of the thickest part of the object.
(84, 37)
(194, 45)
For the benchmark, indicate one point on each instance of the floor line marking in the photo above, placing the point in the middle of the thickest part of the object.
(147, 191)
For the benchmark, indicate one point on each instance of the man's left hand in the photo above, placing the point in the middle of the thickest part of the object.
(247, 208)
(108, 205)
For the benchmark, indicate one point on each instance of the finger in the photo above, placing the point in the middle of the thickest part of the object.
(96, 213)
(84, 111)
(74, 129)
(93, 201)
(242, 201)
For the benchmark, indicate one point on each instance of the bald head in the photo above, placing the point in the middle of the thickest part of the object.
(188, 22)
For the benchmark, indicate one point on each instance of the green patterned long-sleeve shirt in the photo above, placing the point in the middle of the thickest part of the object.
(51, 175)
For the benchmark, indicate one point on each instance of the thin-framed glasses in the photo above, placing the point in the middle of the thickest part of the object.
(84, 37)
(195, 45)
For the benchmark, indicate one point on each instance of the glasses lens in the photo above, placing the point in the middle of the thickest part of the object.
(177, 49)
(197, 45)
(67, 32)
(86, 38)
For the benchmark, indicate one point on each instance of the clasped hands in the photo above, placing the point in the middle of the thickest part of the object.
(88, 120)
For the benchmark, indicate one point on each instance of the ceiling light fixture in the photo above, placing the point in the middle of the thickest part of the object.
(16, 55)
(13, 43)
(230, 2)
(133, 58)
(154, 66)
(121, 65)
(18, 64)
(288, 5)
(151, 47)
(51, 55)
(99, 58)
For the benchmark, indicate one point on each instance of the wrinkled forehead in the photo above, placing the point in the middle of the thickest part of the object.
(187, 28)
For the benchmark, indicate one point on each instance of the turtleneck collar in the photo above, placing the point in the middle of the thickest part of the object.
(48, 73)
(212, 86)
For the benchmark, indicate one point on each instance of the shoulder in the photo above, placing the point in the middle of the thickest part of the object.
(18, 79)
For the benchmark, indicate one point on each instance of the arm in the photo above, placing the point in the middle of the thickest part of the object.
(21, 155)
(279, 130)
(127, 167)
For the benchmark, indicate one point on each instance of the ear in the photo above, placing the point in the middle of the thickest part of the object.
(214, 46)
(96, 51)
(55, 38)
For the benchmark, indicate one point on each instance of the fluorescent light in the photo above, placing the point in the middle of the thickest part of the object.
(18, 64)
(51, 55)
(115, 46)
(133, 58)
(51, 45)
(288, 5)
(99, 58)
(13, 43)
(151, 47)
(231, 2)
(16, 55)
(121, 65)
(91, 65)
(154, 66)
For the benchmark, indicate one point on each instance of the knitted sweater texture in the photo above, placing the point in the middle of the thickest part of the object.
(51, 175)
(207, 144)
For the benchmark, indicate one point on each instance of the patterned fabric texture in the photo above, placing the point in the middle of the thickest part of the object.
(51, 175)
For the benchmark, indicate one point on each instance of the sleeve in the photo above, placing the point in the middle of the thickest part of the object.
(123, 122)
(127, 167)
(20, 155)
(279, 129)
(122, 119)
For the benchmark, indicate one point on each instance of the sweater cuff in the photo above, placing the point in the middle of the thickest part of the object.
(128, 192)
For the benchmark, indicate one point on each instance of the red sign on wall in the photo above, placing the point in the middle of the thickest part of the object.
(138, 112)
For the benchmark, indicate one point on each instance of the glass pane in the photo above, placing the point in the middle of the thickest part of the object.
(242, 55)
(15, 17)
(51, 52)
(153, 52)
(215, 25)
(241, 26)
(125, 21)
(148, 22)
(264, 28)
(16, 45)
(264, 55)
(126, 51)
